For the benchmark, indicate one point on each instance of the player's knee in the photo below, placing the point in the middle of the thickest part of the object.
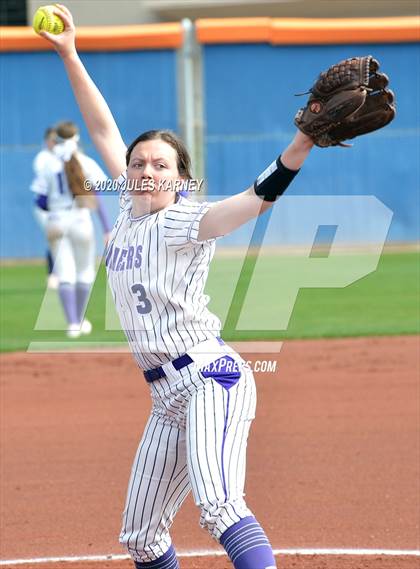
(65, 273)
(85, 276)
(136, 546)
(216, 518)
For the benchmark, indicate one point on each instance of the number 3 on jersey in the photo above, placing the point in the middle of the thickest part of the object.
(144, 305)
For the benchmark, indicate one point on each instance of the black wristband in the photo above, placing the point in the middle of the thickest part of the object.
(274, 181)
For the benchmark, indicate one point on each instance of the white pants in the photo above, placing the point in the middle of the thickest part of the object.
(72, 241)
(41, 217)
(195, 439)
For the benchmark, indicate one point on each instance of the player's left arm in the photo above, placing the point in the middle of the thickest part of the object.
(229, 214)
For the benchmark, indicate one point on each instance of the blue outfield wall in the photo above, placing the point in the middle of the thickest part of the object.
(140, 88)
(250, 106)
(249, 110)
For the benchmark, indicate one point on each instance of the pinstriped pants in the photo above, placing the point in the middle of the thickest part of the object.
(195, 439)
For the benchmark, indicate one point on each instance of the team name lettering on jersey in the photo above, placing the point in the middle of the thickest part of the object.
(123, 259)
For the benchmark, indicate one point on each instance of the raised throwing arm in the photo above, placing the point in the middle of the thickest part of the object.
(96, 113)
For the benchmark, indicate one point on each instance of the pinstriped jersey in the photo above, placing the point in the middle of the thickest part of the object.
(157, 270)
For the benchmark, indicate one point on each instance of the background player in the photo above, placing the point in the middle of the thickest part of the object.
(202, 391)
(59, 186)
(41, 214)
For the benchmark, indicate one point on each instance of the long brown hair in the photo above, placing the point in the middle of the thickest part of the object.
(183, 158)
(72, 168)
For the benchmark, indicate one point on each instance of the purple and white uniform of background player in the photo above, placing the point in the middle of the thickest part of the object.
(196, 436)
(69, 228)
(40, 207)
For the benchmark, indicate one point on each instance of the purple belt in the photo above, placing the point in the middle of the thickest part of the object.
(178, 363)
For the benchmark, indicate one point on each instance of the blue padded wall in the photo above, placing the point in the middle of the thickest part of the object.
(249, 109)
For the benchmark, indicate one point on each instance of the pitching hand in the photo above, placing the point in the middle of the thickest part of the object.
(64, 43)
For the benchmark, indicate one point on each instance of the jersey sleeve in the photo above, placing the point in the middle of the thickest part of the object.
(39, 184)
(38, 163)
(182, 223)
(42, 165)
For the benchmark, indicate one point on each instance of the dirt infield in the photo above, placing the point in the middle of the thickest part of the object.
(333, 458)
(283, 562)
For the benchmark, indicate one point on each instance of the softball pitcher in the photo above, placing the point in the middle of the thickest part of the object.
(68, 225)
(203, 394)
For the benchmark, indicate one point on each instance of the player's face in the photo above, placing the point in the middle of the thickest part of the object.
(51, 141)
(152, 171)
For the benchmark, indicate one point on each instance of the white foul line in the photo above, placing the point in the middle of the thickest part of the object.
(219, 553)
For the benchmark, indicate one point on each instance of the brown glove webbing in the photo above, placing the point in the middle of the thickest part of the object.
(347, 100)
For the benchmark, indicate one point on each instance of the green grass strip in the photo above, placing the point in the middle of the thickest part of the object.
(385, 302)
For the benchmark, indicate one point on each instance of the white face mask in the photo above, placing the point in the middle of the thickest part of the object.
(65, 149)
